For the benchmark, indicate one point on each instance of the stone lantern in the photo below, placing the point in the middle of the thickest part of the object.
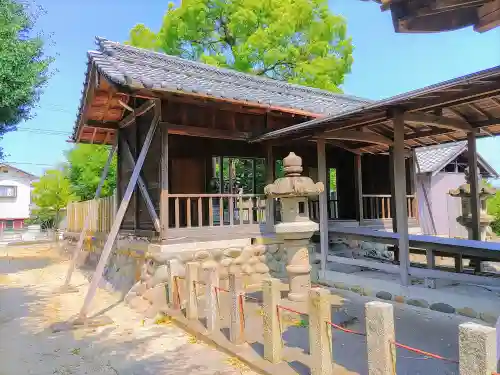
(295, 229)
(465, 219)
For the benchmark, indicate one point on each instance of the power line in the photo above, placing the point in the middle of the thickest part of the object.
(44, 131)
(27, 163)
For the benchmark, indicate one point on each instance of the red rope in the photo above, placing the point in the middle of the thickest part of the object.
(291, 310)
(221, 289)
(427, 354)
(242, 314)
(336, 326)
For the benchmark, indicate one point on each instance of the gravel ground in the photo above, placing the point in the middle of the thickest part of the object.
(30, 303)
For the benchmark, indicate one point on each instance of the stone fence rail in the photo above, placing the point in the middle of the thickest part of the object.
(197, 293)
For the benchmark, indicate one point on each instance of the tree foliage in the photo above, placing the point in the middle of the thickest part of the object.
(493, 205)
(23, 65)
(298, 41)
(51, 194)
(85, 164)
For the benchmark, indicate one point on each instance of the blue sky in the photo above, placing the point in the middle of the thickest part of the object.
(385, 64)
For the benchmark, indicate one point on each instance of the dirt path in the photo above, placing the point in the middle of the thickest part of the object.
(29, 304)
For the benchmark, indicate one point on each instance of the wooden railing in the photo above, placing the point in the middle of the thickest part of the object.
(429, 246)
(199, 210)
(102, 213)
(333, 209)
(378, 206)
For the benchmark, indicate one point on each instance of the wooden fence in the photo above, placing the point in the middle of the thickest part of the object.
(197, 210)
(378, 206)
(102, 213)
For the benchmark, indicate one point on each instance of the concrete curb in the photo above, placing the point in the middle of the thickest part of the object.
(448, 303)
(217, 340)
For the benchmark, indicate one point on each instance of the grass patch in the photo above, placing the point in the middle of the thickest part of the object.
(237, 364)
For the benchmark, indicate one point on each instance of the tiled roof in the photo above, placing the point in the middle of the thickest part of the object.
(130, 66)
(432, 159)
(8, 166)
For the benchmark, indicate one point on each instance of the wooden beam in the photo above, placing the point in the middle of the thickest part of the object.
(100, 124)
(130, 118)
(358, 136)
(323, 202)
(244, 106)
(489, 16)
(474, 185)
(359, 186)
(400, 198)
(196, 131)
(142, 186)
(86, 222)
(270, 175)
(113, 233)
(437, 121)
(164, 210)
(343, 146)
(126, 106)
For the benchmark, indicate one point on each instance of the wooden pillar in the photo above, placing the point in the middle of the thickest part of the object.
(270, 166)
(254, 174)
(359, 187)
(414, 185)
(164, 210)
(400, 197)
(323, 201)
(475, 204)
(221, 175)
(392, 211)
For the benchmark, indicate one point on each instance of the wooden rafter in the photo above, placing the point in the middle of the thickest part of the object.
(101, 125)
(437, 121)
(93, 136)
(481, 111)
(488, 16)
(130, 119)
(126, 106)
(341, 145)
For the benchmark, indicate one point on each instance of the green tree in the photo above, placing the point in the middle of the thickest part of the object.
(298, 41)
(85, 164)
(23, 65)
(51, 194)
(493, 205)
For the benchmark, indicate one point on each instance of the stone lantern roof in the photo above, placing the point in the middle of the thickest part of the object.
(293, 184)
(463, 190)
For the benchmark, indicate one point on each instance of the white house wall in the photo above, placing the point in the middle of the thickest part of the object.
(19, 206)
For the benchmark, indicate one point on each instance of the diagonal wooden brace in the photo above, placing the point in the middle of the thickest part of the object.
(86, 223)
(142, 186)
(96, 278)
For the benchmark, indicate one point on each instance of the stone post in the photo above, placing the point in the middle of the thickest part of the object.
(477, 346)
(237, 295)
(320, 334)
(191, 285)
(272, 332)
(295, 229)
(172, 294)
(379, 338)
(211, 309)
